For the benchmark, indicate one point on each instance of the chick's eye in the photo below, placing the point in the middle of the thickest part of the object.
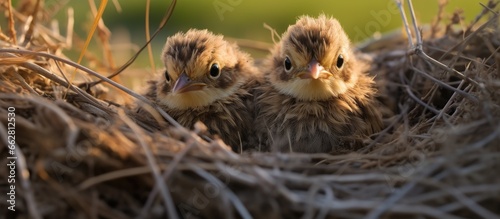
(288, 64)
(340, 61)
(167, 76)
(214, 70)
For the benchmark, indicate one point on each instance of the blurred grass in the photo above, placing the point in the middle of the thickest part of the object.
(243, 18)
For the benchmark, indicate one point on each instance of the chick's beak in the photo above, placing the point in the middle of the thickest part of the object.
(314, 71)
(184, 84)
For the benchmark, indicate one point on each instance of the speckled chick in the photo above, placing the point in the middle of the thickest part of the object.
(317, 96)
(210, 80)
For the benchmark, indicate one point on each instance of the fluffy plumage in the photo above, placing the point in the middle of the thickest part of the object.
(317, 96)
(206, 79)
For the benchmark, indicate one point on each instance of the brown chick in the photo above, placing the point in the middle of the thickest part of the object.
(206, 79)
(317, 97)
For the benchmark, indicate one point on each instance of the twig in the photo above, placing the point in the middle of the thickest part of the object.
(167, 198)
(72, 129)
(166, 175)
(163, 23)
(419, 101)
(486, 8)
(460, 196)
(92, 181)
(31, 28)
(97, 19)
(273, 33)
(352, 205)
(454, 206)
(103, 34)
(24, 30)
(73, 87)
(383, 133)
(399, 4)
(24, 84)
(56, 79)
(315, 194)
(69, 28)
(415, 26)
(473, 206)
(148, 37)
(40, 28)
(479, 144)
(440, 13)
(442, 84)
(240, 207)
(447, 105)
(12, 28)
(85, 69)
(418, 50)
(423, 55)
(491, 188)
(117, 5)
(237, 175)
(400, 193)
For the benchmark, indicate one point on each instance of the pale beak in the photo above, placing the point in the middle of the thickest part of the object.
(184, 84)
(315, 71)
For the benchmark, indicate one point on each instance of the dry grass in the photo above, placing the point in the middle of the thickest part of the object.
(82, 156)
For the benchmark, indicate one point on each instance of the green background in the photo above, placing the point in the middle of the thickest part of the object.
(240, 18)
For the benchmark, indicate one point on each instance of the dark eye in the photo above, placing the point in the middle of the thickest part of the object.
(214, 70)
(288, 64)
(340, 61)
(167, 76)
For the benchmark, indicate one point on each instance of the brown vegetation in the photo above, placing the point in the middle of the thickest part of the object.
(79, 155)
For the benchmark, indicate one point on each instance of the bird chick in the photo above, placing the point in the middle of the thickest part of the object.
(206, 79)
(317, 96)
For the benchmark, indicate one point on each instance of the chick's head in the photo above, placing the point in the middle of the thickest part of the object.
(314, 60)
(200, 68)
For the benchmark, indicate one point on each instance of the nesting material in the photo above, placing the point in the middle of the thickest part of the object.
(80, 155)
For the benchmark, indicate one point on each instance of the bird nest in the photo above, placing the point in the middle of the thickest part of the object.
(79, 155)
